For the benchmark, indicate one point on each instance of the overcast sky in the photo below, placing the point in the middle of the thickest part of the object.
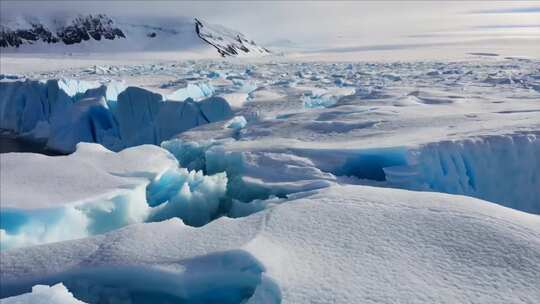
(350, 22)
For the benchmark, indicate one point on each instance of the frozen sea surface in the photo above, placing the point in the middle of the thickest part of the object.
(274, 182)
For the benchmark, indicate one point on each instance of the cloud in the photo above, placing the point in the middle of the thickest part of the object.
(508, 10)
(506, 26)
(314, 24)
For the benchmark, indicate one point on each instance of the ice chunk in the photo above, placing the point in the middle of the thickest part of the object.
(196, 200)
(194, 91)
(215, 109)
(237, 123)
(190, 154)
(213, 74)
(68, 112)
(43, 294)
(137, 114)
(87, 120)
(48, 199)
(323, 98)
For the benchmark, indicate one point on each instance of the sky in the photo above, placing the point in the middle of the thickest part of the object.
(339, 25)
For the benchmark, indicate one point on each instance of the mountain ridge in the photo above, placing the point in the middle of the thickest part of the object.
(86, 31)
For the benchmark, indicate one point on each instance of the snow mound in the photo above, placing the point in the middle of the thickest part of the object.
(290, 254)
(66, 112)
(43, 294)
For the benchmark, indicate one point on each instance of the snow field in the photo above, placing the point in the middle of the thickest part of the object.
(420, 246)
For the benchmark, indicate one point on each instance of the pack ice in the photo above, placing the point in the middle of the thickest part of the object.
(319, 182)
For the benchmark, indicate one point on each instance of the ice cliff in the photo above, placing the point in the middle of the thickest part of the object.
(65, 112)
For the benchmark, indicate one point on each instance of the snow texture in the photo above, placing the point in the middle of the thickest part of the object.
(413, 247)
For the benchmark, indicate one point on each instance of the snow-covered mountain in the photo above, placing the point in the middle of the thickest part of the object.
(81, 28)
(227, 42)
(100, 32)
